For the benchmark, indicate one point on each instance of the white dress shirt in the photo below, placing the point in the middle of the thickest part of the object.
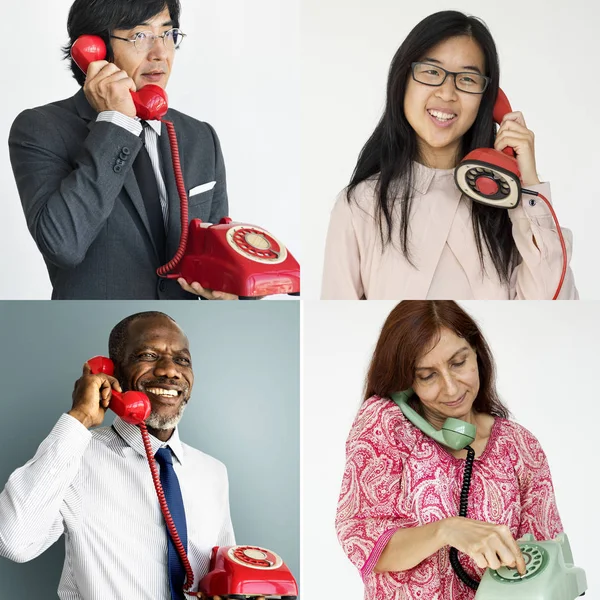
(96, 487)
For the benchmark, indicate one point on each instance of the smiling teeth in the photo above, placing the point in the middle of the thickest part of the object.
(440, 115)
(161, 392)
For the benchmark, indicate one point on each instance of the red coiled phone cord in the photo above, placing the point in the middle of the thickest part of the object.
(164, 270)
(165, 510)
(560, 237)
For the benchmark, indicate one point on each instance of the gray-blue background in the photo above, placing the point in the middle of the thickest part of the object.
(244, 410)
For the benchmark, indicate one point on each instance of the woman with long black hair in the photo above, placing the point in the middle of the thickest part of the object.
(402, 228)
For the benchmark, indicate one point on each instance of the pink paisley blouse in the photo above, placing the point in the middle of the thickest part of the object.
(396, 476)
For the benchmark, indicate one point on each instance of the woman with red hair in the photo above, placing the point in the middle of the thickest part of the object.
(401, 489)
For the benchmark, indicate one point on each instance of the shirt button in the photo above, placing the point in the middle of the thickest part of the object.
(532, 202)
(126, 151)
(162, 285)
(117, 168)
(123, 156)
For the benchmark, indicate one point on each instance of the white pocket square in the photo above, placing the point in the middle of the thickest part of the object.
(202, 188)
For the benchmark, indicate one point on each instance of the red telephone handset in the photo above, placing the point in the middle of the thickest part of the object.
(132, 407)
(493, 178)
(150, 101)
(247, 571)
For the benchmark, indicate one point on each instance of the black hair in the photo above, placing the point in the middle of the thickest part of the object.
(390, 151)
(118, 336)
(100, 17)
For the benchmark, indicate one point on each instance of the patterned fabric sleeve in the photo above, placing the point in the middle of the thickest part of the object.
(367, 515)
(539, 513)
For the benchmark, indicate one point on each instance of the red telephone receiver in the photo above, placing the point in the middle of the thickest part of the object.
(489, 176)
(150, 101)
(132, 407)
(247, 571)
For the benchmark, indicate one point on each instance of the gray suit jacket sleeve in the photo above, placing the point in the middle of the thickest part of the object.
(220, 205)
(66, 204)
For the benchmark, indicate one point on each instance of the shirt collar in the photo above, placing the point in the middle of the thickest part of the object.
(132, 436)
(156, 125)
(424, 176)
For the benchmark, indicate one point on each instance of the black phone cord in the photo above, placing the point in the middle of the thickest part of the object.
(464, 501)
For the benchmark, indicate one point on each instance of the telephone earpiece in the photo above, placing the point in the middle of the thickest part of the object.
(150, 101)
(455, 434)
(489, 176)
(132, 407)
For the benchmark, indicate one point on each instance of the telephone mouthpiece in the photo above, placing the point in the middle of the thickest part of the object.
(151, 102)
(132, 407)
(458, 434)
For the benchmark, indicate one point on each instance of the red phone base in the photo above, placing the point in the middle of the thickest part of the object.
(247, 571)
(239, 259)
(489, 177)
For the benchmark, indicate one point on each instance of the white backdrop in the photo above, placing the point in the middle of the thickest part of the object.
(238, 69)
(547, 361)
(548, 63)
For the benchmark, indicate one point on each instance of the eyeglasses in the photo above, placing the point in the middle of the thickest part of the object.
(471, 83)
(144, 40)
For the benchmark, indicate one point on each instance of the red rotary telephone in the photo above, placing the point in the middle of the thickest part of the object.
(248, 572)
(493, 178)
(236, 258)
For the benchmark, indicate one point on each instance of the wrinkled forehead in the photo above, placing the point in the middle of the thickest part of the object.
(156, 331)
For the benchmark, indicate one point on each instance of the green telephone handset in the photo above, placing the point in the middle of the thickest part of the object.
(455, 434)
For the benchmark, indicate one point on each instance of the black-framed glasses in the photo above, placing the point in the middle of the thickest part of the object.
(144, 40)
(466, 81)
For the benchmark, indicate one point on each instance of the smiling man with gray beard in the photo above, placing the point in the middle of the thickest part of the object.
(95, 486)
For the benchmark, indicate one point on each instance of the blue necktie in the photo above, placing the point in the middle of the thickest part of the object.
(170, 485)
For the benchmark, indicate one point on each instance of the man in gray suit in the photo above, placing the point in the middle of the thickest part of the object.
(96, 183)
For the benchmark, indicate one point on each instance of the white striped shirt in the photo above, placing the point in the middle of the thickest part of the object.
(151, 134)
(96, 487)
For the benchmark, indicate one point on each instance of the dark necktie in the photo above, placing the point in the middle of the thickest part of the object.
(170, 485)
(146, 179)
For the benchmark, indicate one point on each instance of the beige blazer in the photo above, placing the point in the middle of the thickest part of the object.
(357, 267)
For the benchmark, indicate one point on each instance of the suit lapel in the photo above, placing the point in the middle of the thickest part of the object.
(174, 224)
(133, 190)
(130, 184)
